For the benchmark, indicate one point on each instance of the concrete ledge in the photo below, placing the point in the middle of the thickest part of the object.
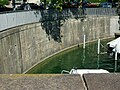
(40, 82)
(60, 82)
(102, 81)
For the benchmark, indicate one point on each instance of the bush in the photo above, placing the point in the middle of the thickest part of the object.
(4, 2)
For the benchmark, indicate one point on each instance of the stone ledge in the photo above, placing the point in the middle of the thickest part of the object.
(103, 81)
(59, 82)
(40, 82)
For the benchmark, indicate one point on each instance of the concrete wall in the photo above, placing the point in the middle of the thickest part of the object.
(24, 46)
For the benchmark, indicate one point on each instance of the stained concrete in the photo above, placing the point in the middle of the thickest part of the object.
(41, 82)
(109, 81)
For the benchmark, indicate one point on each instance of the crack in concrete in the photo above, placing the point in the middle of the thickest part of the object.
(84, 82)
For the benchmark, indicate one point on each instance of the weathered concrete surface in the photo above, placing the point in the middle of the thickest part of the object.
(41, 82)
(109, 81)
(25, 46)
(102, 81)
(114, 25)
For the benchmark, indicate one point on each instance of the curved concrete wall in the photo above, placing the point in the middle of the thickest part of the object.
(24, 46)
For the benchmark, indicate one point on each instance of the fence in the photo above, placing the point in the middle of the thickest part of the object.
(101, 11)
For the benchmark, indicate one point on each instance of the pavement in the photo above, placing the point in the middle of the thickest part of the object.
(40, 82)
(110, 81)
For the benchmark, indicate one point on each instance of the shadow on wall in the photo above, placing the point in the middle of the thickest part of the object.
(52, 20)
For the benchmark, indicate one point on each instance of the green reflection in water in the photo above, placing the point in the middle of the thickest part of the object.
(78, 57)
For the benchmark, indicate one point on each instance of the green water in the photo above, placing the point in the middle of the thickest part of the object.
(78, 57)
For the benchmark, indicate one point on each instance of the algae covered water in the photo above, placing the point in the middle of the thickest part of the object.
(80, 58)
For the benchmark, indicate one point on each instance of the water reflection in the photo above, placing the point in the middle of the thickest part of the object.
(98, 62)
(83, 61)
(115, 69)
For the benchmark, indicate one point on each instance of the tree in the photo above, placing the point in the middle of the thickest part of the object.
(4, 2)
(115, 0)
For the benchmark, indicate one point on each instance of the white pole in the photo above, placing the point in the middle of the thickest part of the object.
(98, 46)
(116, 55)
(115, 60)
(84, 42)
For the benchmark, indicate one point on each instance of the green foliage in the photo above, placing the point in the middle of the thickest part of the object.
(59, 8)
(97, 1)
(60, 1)
(56, 1)
(4, 2)
(46, 1)
(93, 1)
(115, 0)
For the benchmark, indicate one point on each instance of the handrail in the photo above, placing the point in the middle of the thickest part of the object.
(65, 71)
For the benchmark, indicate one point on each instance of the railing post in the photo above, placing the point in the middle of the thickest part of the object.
(98, 46)
(84, 37)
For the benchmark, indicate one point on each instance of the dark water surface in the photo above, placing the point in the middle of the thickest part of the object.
(78, 57)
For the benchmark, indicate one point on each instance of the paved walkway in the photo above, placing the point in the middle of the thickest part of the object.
(41, 82)
(59, 82)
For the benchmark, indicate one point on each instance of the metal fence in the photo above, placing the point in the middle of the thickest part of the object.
(9, 20)
(101, 11)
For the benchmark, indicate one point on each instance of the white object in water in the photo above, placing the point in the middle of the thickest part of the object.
(115, 44)
(86, 71)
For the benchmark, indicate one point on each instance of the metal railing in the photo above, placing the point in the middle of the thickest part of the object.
(101, 11)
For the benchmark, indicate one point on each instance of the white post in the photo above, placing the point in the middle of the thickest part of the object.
(98, 46)
(115, 58)
(116, 55)
(84, 42)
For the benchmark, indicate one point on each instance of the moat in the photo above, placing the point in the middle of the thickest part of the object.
(80, 58)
